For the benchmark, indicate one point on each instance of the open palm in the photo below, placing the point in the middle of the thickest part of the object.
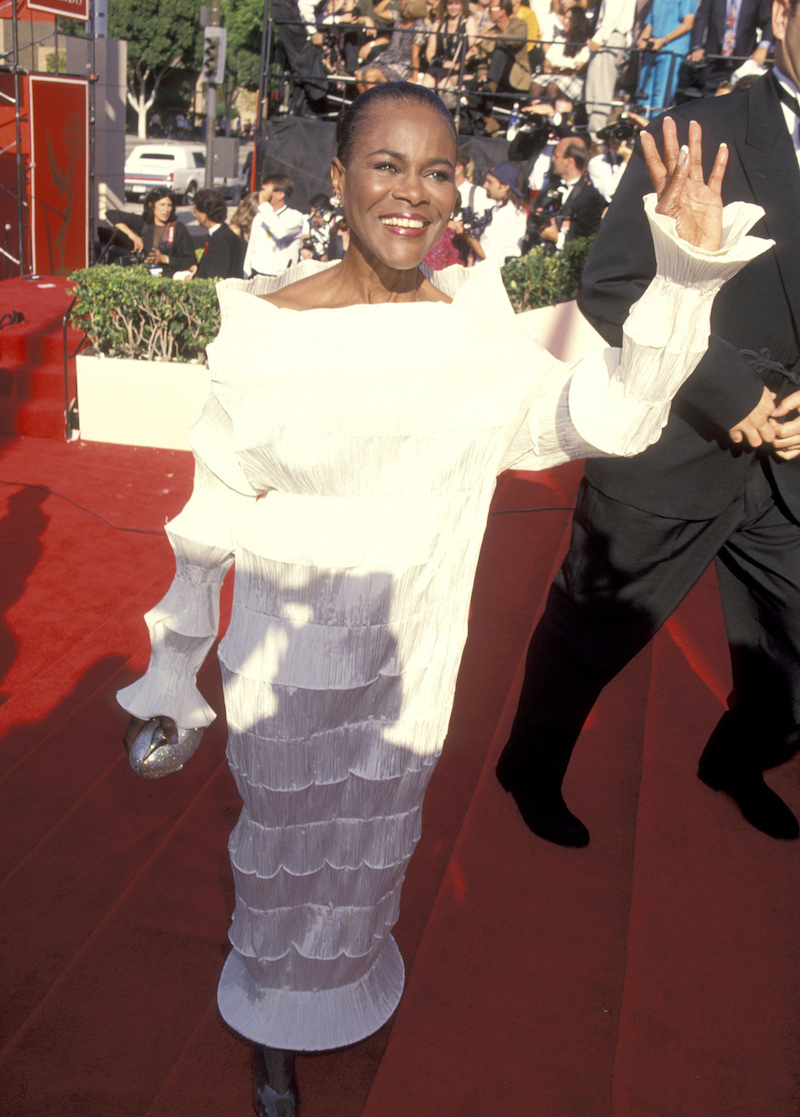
(681, 188)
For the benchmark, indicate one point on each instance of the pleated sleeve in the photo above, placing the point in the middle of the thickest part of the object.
(183, 626)
(617, 401)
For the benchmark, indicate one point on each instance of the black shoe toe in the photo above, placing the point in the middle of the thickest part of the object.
(759, 804)
(544, 812)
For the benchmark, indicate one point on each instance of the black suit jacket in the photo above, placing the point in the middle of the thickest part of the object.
(584, 207)
(709, 25)
(693, 472)
(224, 257)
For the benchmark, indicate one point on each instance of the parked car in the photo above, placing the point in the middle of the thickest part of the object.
(179, 167)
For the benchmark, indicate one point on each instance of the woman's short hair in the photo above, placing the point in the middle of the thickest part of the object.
(391, 92)
(150, 202)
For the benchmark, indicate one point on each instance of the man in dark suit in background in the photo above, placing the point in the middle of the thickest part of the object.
(223, 257)
(722, 483)
(570, 206)
(729, 28)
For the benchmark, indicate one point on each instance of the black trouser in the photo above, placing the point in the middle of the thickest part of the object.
(626, 571)
(500, 66)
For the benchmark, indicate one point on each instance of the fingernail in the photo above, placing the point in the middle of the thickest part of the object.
(683, 155)
(173, 738)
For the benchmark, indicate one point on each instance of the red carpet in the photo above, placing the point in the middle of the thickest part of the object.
(653, 974)
(32, 396)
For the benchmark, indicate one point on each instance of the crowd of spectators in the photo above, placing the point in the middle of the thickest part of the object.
(482, 56)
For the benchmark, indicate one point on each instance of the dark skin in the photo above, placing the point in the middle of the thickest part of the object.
(403, 163)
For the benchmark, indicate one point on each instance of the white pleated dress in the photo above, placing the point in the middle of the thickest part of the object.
(346, 460)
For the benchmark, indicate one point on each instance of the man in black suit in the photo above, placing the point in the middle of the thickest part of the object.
(223, 257)
(570, 206)
(712, 35)
(722, 483)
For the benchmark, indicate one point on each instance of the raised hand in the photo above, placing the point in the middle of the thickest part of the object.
(681, 188)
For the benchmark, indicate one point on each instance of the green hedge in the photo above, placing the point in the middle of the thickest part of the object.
(538, 279)
(129, 313)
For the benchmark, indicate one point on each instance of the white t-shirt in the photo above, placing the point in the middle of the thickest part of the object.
(274, 240)
(504, 236)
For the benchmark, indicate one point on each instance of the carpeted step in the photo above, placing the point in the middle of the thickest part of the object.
(35, 418)
(141, 905)
(32, 381)
(512, 1006)
(32, 357)
(710, 1018)
(41, 343)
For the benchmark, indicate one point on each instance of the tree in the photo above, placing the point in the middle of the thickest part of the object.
(242, 20)
(162, 35)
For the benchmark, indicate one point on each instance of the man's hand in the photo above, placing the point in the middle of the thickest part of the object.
(787, 435)
(549, 232)
(697, 55)
(756, 428)
(593, 46)
(538, 109)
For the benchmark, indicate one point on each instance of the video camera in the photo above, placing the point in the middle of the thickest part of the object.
(621, 131)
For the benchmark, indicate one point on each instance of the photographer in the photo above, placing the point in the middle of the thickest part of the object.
(568, 206)
(606, 170)
(474, 200)
(500, 238)
(541, 126)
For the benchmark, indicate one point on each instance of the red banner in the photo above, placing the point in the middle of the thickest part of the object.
(59, 174)
(73, 9)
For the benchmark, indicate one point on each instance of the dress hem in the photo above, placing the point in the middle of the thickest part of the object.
(311, 1020)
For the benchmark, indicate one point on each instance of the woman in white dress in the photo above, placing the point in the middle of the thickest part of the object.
(376, 459)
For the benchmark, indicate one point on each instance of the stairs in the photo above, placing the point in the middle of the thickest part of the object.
(32, 397)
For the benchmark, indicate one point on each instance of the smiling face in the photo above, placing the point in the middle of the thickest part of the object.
(398, 187)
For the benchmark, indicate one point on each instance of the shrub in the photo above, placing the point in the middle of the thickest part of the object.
(538, 279)
(129, 313)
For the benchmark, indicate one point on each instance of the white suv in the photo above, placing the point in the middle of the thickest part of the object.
(179, 167)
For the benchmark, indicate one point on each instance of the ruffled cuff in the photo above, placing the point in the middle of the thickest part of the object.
(183, 627)
(619, 401)
(169, 692)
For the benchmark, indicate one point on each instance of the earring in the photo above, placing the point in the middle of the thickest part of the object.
(336, 201)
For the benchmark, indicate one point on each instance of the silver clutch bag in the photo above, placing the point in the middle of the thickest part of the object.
(152, 756)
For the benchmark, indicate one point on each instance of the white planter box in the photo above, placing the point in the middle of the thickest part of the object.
(139, 403)
(564, 332)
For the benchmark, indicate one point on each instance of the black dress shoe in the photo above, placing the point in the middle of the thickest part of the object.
(759, 804)
(543, 812)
